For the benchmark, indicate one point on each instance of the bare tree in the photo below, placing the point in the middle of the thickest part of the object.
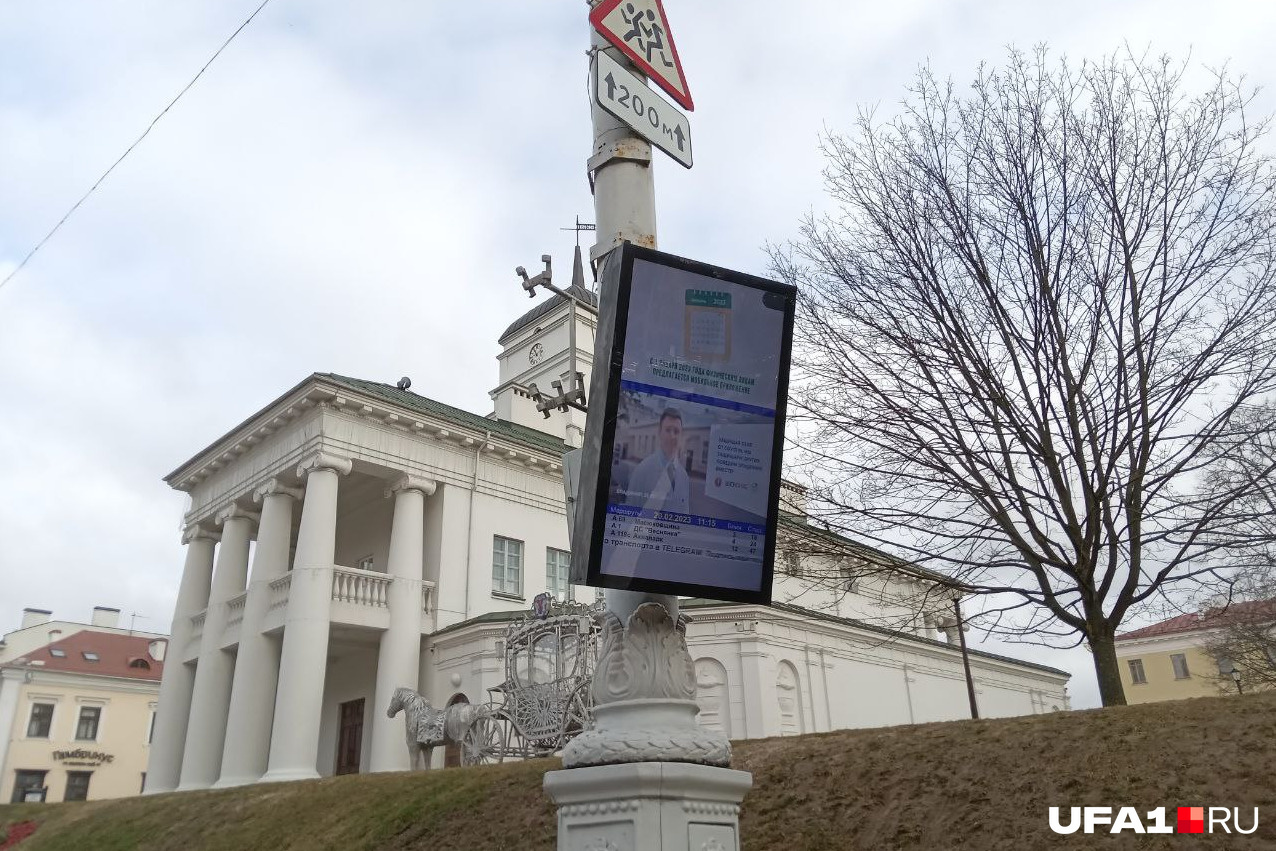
(1040, 321)
(1244, 645)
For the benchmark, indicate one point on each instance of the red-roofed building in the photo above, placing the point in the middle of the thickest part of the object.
(1167, 660)
(76, 711)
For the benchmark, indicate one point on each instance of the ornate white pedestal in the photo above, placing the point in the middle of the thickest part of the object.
(646, 777)
(639, 806)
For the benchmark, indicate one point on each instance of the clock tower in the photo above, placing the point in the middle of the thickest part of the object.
(537, 348)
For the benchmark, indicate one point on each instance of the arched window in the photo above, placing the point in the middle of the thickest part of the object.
(141, 664)
(713, 696)
(788, 692)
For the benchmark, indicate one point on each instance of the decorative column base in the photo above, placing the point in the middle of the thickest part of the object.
(644, 690)
(288, 776)
(643, 806)
(647, 730)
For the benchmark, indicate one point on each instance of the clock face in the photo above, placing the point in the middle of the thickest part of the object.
(536, 353)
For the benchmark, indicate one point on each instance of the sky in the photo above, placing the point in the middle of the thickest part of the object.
(349, 188)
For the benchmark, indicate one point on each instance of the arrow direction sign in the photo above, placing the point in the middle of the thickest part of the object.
(641, 31)
(651, 116)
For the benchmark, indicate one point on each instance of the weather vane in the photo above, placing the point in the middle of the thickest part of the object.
(580, 226)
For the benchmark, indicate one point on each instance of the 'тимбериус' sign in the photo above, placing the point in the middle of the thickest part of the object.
(681, 472)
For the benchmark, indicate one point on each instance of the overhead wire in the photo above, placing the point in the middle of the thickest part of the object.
(130, 148)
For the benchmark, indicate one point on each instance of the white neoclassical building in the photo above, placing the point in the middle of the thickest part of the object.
(353, 537)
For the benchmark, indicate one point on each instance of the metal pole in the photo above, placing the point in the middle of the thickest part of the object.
(624, 211)
(620, 169)
(965, 659)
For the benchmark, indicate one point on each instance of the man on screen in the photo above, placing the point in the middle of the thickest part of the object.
(659, 482)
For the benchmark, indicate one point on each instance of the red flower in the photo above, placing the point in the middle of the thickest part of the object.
(16, 833)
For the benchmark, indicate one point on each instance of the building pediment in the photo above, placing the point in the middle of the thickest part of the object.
(378, 403)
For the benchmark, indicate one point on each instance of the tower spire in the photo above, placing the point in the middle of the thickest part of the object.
(578, 270)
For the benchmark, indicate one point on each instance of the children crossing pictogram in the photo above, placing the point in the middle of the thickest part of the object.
(641, 31)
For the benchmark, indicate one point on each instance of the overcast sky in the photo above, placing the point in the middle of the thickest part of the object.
(348, 189)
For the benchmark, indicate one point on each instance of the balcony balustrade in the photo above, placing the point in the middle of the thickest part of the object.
(360, 587)
(279, 592)
(235, 609)
(197, 626)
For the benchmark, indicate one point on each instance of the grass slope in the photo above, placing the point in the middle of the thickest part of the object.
(967, 784)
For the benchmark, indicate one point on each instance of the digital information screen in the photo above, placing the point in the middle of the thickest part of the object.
(688, 456)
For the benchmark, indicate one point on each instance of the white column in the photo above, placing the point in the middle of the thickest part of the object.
(303, 661)
(210, 699)
(252, 694)
(758, 684)
(164, 768)
(399, 657)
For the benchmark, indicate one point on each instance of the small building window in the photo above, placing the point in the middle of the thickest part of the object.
(507, 566)
(41, 721)
(57, 652)
(86, 727)
(90, 656)
(1136, 672)
(141, 664)
(27, 786)
(366, 563)
(150, 732)
(77, 785)
(1179, 661)
(793, 563)
(557, 572)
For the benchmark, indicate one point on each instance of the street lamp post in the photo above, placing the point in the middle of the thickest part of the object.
(1228, 668)
(646, 775)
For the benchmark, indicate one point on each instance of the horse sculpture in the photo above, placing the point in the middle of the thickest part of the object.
(428, 727)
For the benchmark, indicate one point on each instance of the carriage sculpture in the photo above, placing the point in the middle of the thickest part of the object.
(544, 701)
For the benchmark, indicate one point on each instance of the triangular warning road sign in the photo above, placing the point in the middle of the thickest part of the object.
(641, 31)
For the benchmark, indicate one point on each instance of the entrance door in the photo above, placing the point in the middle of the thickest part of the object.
(350, 737)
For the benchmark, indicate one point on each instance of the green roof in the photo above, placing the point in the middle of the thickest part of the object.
(421, 404)
(504, 616)
(794, 523)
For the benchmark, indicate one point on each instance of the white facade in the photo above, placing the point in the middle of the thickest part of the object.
(391, 534)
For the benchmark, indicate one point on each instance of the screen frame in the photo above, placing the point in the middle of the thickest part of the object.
(614, 364)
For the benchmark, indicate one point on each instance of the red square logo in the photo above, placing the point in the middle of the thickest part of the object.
(1191, 820)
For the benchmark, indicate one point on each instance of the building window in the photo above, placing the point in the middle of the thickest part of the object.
(41, 721)
(366, 563)
(142, 789)
(793, 563)
(26, 782)
(150, 733)
(58, 652)
(507, 566)
(77, 785)
(1136, 672)
(86, 728)
(1180, 666)
(557, 571)
(90, 656)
